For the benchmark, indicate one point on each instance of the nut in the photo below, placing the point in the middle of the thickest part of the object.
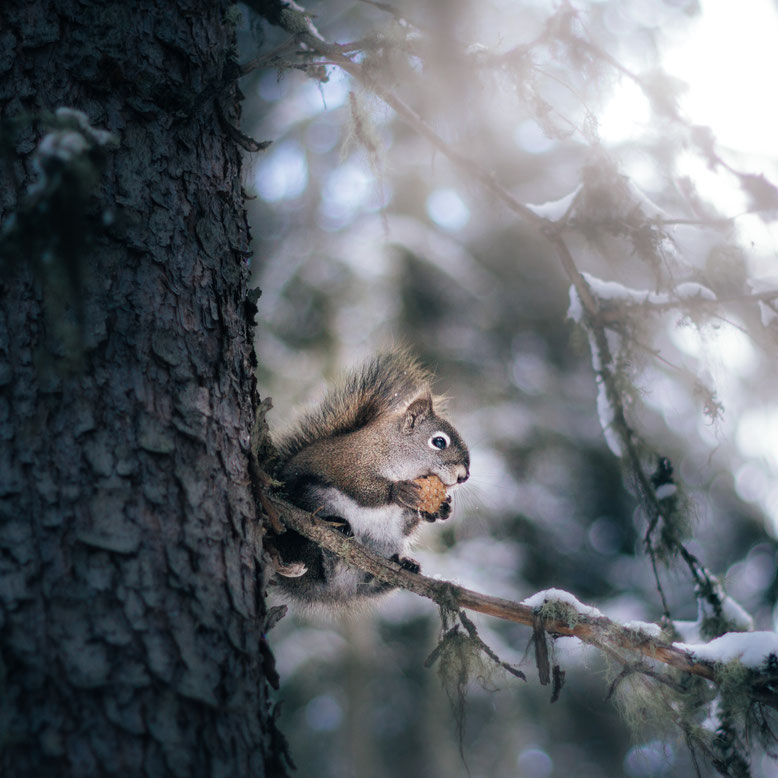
(433, 493)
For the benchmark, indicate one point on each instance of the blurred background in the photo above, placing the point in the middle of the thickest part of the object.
(660, 116)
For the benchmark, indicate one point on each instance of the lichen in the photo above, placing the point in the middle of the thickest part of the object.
(556, 610)
(734, 679)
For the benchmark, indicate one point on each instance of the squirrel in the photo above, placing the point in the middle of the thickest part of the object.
(360, 461)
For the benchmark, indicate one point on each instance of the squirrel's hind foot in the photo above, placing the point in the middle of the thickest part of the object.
(411, 565)
(341, 525)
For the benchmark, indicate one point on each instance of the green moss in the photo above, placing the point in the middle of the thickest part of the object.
(655, 709)
(556, 610)
(734, 680)
(459, 661)
(294, 21)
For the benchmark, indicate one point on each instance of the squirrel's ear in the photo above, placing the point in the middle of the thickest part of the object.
(416, 411)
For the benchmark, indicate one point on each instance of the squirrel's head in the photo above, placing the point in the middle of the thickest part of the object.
(427, 444)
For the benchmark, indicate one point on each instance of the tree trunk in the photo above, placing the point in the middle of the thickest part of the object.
(131, 598)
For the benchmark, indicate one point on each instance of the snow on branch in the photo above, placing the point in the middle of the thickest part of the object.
(752, 649)
(615, 299)
(557, 210)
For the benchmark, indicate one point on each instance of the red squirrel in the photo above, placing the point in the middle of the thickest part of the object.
(360, 460)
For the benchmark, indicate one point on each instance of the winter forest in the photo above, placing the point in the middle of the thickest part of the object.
(566, 209)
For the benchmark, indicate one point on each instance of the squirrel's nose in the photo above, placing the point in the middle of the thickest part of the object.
(463, 474)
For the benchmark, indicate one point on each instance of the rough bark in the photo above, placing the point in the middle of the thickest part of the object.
(131, 601)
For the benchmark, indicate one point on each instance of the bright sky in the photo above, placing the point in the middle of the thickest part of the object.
(730, 61)
(728, 58)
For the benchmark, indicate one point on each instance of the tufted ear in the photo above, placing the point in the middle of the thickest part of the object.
(418, 410)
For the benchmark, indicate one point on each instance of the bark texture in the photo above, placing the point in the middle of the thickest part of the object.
(131, 601)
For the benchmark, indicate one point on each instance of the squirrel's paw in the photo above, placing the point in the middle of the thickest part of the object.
(411, 565)
(285, 569)
(406, 493)
(442, 513)
(292, 570)
(341, 525)
(426, 495)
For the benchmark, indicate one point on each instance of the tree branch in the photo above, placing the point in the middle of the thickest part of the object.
(597, 631)
(615, 311)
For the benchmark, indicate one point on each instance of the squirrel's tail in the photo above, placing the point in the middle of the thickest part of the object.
(388, 382)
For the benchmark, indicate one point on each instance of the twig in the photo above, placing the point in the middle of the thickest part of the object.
(246, 142)
(474, 636)
(615, 311)
(541, 650)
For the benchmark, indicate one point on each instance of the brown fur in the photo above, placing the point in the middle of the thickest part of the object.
(386, 384)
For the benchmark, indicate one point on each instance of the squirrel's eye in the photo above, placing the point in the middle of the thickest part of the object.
(439, 440)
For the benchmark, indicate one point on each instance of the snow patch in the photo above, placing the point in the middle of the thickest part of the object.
(665, 490)
(607, 416)
(556, 210)
(98, 137)
(560, 595)
(751, 648)
(736, 614)
(763, 284)
(768, 309)
(63, 144)
(688, 630)
(693, 291)
(646, 628)
(613, 291)
(575, 311)
(74, 137)
(768, 313)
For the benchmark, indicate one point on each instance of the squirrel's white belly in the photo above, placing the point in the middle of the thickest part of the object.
(384, 529)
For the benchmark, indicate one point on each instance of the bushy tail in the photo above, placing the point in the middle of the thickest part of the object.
(387, 383)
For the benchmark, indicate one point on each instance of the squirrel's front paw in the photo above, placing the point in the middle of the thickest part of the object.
(406, 493)
(442, 513)
(411, 565)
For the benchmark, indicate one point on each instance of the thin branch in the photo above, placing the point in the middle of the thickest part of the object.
(640, 669)
(720, 221)
(386, 8)
(474, 636)
(605, 360)
(268, 58)
(615, 311)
